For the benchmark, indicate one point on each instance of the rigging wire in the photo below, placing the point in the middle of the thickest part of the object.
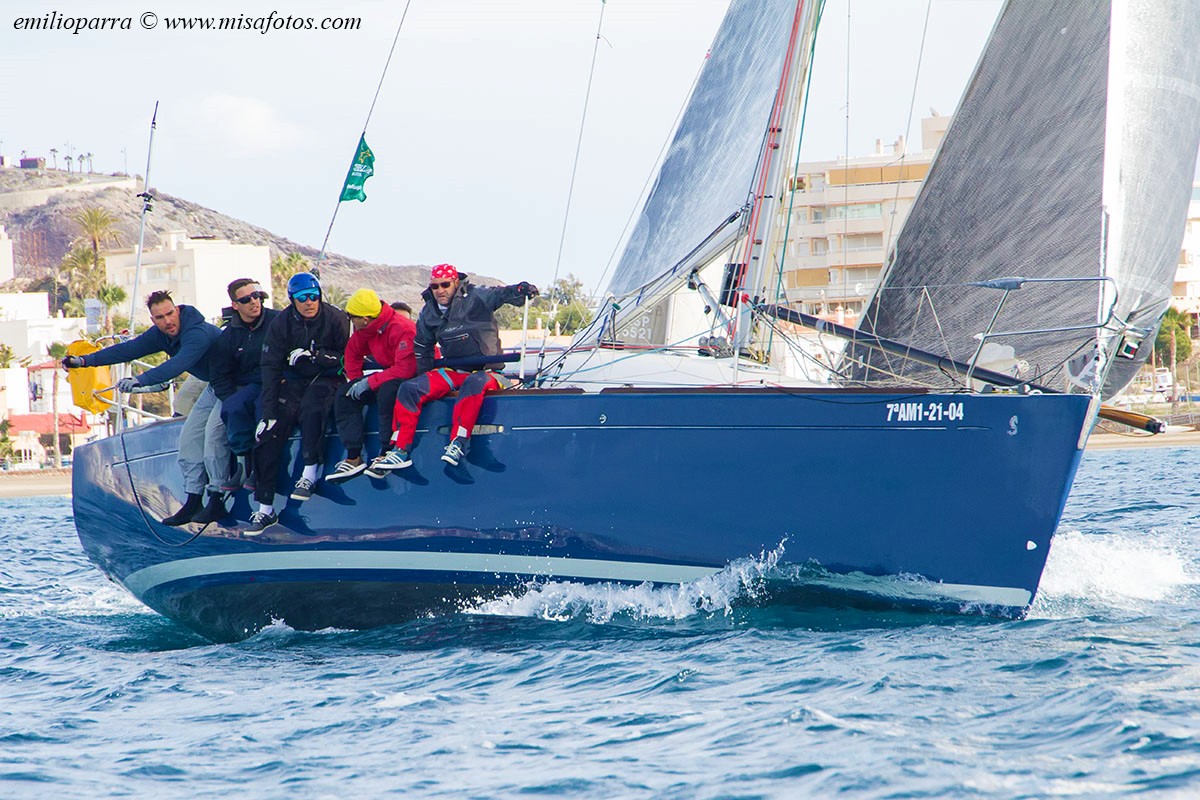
(366, 122)
(812, 57)
(908, 123)
(147, 207)
(637, 206)
(587, 95)
(562, 239)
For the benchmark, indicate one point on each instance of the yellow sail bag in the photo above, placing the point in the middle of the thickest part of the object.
(86, 380)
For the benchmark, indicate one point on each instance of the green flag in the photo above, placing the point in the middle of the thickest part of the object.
(361, 168)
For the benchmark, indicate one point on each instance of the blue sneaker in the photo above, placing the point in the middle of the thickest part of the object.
(456, 451)
(391, 460)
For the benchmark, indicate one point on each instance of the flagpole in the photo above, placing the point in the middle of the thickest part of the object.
(363, 135)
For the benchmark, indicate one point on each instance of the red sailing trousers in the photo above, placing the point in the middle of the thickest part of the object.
(415, 392)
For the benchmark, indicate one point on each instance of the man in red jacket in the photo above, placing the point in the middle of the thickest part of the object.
(387, 338)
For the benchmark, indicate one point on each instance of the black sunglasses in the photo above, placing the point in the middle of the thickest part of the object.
(442, 285)
(252, 296)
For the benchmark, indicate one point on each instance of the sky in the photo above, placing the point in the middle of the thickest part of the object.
(476, 126)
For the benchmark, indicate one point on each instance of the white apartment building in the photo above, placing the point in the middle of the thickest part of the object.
(845, 216)
(7, 266)
(27, 327)
(195, 270)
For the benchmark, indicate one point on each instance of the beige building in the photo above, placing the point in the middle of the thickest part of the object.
(1185, 296)
(195, 270)
(845, 216)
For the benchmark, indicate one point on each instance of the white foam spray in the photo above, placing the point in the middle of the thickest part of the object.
(602, 602)
(1123, 571)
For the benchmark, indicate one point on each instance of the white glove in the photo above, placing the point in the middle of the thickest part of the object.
(298, 354)
(358, 388)
(127, 385)
(263, 426)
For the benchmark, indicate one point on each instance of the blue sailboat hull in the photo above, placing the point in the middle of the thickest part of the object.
(955, 495)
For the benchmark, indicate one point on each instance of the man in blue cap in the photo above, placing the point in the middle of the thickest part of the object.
(301, 375)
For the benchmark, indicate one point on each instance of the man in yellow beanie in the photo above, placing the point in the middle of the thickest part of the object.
(387, 338)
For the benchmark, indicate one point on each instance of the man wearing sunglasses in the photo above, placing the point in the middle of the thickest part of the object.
(459, 318)
(236, 378)
(185, 336)
(301, 374)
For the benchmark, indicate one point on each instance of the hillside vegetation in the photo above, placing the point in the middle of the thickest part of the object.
(43, 234)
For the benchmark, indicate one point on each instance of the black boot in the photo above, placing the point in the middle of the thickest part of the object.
(184, 515)
(213, 510)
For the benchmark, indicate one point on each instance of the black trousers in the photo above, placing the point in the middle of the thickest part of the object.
(300, 402)
(349, 415)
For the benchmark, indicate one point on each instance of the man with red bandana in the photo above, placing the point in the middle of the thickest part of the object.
(459, 318)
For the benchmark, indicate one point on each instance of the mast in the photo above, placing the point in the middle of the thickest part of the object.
(780, 141)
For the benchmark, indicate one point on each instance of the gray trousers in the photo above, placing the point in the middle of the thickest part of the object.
(195, 451)
(218, 455)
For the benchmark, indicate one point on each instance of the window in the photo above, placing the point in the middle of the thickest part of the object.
(859, 211)
(863, 241)
(819, 246)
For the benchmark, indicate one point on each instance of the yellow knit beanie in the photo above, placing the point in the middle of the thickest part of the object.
(364, 303)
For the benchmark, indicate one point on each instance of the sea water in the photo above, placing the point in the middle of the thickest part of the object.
(724, 689)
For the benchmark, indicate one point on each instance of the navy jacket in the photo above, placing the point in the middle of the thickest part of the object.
(188, 350)
(324, 336)
(467, 328)
(235, 359)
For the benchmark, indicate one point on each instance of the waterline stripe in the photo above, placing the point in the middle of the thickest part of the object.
(148, 578)
(145, 579)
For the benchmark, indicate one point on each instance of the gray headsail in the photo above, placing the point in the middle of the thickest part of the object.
(706, 176)
(1068, 162)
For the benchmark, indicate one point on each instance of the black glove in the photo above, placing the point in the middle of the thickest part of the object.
(526, 289)
(72, 362)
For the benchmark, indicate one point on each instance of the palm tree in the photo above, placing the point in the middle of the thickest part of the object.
(83, 279)
(1173, 345)
(99, 228)
(68, 159)
(54, 155)
(282, 268)
(58, 352)
(334, 295)
(111, 296)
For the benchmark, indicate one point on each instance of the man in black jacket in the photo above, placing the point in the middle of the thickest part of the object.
(235, 375)
(301, 374)
(460, 318)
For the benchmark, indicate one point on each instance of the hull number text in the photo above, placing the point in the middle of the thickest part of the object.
(924, 412)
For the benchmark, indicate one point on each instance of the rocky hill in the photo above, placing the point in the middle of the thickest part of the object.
(43, 233)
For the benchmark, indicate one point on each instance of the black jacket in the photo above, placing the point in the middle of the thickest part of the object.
(325, 336)
(467, 328)
(235, 359)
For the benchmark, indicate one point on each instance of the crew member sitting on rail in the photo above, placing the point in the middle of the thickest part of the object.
(460, 319)
(183, 334)
(236, 378)
(301, 374)
(387, 337)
